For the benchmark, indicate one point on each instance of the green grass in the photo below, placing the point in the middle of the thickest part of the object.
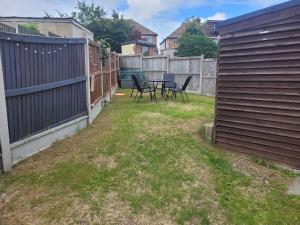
(146, 161)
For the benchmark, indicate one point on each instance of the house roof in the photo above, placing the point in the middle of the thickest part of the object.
(271, 9)
(182, 28)
(140, 42)
(43, 19)
(140, 27)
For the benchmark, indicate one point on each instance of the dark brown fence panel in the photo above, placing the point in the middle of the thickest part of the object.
(95, 73)
(6, 28)
(45, 82)
(106, 78)
(258, 91)
(114, 69)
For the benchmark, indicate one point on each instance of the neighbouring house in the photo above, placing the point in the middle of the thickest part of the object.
(169, 45)
(146, 44)
(139, 47)
(55, 27)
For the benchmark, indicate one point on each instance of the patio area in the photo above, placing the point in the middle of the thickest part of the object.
(145, 163)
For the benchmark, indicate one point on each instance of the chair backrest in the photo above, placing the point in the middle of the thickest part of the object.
(136, 83)
(187, 81)
(169, 77)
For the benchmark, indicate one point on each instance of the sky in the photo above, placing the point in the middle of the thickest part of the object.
(161, 16)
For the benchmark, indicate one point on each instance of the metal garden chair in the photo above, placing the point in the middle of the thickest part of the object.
(141, 90)
(182, 89)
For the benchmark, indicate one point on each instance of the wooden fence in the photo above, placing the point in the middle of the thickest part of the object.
(96, 84)
(44, 82)
(203, 71)
(45, 93)
(110, 72)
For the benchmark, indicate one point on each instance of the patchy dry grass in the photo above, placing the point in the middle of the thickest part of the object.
(146, 164)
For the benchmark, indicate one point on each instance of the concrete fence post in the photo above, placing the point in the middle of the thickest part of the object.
(201, 74)
(110, 86)
(4, 132)
(88, 87)
(101, 74)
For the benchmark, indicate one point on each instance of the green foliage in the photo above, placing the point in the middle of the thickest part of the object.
(31, 26)
(193, 26)
(87, 14)
(115, 30)
(197, 45)
(105, 46)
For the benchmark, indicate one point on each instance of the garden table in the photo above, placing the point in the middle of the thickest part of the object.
(155, 83)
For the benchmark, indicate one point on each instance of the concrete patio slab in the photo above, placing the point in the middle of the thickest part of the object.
(295, 187)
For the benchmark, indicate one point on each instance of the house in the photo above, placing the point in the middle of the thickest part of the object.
(169, 45)
(62, 27)
(139, 47)
(146, 44)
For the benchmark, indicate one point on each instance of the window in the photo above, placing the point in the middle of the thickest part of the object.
(145, 50)
(147, 38)
(215, 26)
(174, 41)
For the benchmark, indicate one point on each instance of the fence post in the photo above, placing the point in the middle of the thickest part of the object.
(141, 62)
(101, 74)
(168, 63)
(201, 73)
(88, 87)
(110, 88)
(4, 132)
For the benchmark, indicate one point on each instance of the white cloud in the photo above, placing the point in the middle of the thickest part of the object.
(218, 16)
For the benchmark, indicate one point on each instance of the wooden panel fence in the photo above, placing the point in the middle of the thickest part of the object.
(95, 73)
(44, 82)
(44, 91)
(110, 72)
(203, 71)
(258, 91)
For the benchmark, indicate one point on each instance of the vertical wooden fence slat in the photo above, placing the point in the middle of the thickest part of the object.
(4, 133)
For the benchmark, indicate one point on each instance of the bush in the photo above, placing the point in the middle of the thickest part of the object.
(197, 45)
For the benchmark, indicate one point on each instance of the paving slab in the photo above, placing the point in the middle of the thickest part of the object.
(295, 187)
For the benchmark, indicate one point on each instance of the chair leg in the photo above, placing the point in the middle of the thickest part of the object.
(132, 91)
(151, 98)
(187, 96)
(141, 96)
(181, 96)
(135, 97)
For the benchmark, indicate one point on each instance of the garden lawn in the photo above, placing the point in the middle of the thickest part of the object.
(146, 164)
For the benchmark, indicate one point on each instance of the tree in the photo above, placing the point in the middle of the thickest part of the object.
(87, 14)
(194, 42)
(114, 30)
(196, 45)
(193, 26)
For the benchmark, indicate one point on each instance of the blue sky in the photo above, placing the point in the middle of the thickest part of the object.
(162, 16)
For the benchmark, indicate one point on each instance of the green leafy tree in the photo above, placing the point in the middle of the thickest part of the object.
(196, 45)
(87, 14)
(194, 42)
(193, 26)
(115, 30)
